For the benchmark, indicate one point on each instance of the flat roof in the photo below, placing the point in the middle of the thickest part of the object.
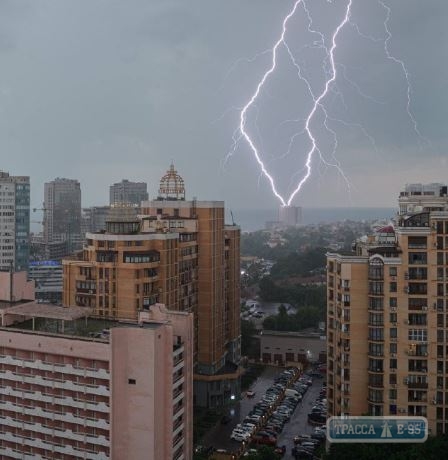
(39, 310)
(293, 334)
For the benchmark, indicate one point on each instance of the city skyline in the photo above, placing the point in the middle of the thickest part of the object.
(146, 85)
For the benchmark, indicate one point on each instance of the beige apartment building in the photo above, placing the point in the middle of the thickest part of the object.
(179, 253)
(387, 315)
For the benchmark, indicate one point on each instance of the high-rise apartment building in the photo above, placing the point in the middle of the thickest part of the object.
(387, 319)
(289, 216)
(62, 213)
(14, 222)
(179, 253)
(127, 192)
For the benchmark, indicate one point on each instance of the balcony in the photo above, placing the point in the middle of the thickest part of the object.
(376, 370)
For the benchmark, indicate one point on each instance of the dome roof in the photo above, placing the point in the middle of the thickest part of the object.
(172, 186)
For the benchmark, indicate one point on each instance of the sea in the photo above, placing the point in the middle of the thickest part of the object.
(251, 220)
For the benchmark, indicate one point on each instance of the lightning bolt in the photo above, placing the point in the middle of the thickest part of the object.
(316, 101)
(401, 63)
(330, 70)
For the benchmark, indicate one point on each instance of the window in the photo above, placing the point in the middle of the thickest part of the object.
(132, 381)
(141, 257)
(418, 335)
(392, 271)
(417, 258)
(393, 286)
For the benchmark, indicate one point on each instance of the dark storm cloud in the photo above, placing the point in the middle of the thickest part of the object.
(108, 89)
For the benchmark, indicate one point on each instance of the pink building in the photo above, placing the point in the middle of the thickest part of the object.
(80, 388)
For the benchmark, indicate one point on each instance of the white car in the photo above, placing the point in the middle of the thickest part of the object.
(247, 427)
(240, 435)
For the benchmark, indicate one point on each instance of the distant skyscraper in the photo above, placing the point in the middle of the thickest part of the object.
(290, 216)
(94, 219)
(126, 192)
(14, 222)
(62, 213)
(386, 315)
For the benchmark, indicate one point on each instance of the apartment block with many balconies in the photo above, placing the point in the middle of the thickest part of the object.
(74, 387)
(179, 253)
(387, 315)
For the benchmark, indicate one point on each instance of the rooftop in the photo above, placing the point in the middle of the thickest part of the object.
(39, 310)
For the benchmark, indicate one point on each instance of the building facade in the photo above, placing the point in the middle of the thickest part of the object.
(179, 253)
(47, 276)
(62, 213)
(94, 219)
(285, 348)
(386, 317)
(290, 216)
(127, 192)
(99, 389)
(14, 222)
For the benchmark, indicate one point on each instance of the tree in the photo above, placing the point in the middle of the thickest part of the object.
(248, 330)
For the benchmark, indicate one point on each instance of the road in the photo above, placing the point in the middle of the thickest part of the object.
(219, 436)
(299, 421)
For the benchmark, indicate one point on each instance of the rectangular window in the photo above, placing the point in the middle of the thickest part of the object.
(418, 335)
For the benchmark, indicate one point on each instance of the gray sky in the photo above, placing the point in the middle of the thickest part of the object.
(101, 90)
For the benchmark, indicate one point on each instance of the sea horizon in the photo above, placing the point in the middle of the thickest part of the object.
(255, 219)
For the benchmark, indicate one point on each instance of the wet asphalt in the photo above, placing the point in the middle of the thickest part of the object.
(219, 435)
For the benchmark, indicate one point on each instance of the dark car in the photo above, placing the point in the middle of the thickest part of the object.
(317, 419)
(300, 453)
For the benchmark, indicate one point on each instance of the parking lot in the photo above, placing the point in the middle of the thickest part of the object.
(219, 436)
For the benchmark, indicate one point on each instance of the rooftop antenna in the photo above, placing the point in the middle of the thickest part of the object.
(233, 220)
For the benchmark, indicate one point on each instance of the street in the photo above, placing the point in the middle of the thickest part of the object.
(219, 436)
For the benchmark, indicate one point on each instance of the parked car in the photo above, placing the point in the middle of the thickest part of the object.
(267, 440)
(250, 394)
(280, 450)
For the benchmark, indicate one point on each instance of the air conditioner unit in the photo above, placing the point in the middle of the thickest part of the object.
(434, 401)
(393, 355)
(405, 380)
(393, 385)
(424, 308)
(393, 308)
(406, 321)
